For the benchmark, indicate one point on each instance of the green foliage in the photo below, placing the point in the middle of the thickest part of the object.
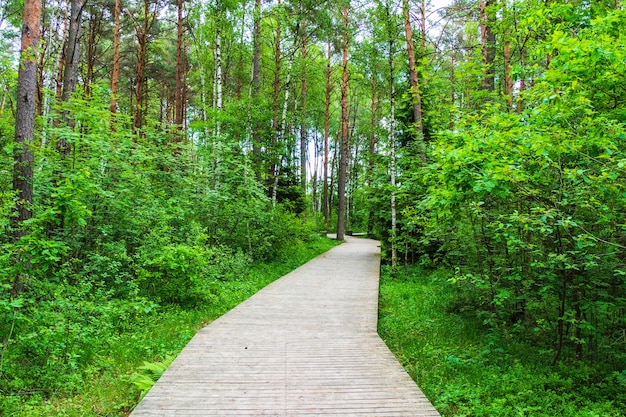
(83, 350)
(148, 374)
(133, 245)
(469, 369)
(526, 206)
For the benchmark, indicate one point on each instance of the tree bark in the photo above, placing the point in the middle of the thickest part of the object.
(185, 86)
(325, 202)
(392, 153)
(303, 127)
(72, 50)
(413, 77)
(275, 104)
(341, 186)
(95, 27)
(25, 125)
(256, 86)
(178, 94)
(43, 48)
(115, 73)
(280, 134)
(508, 78)
(70, 74)
(452, 90)
(522, 84)
(372, 150)
(141, 32)
(219, 79)
(423, 28)
(61, 61)
(488, 43)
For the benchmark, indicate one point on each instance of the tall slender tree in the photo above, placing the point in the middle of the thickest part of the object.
(72, 49)
(341, 183)
(488, 43)
(179, 66)
(303, 124)
(328, 90)
(413, 75)
(142, 27)
(115, 71)
(391, 36)
(276, 91)
(70, 73)
(25, 124)
(256, 85)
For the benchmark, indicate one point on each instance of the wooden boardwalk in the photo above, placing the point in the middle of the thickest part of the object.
(305, 345)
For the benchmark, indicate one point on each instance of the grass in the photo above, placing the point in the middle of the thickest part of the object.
(107, 388)
(468, 369)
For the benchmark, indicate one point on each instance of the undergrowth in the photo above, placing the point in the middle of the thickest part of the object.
(128, 342)
(467, 368)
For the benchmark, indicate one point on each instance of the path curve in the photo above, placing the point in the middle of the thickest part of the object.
(305, 345)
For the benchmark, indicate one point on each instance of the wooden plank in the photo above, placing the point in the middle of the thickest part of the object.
(306, 345)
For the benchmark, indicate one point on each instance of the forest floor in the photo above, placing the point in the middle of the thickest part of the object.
(467, 368)
(117, 377)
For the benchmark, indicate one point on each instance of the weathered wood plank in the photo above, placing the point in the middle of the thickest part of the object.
(305, 345)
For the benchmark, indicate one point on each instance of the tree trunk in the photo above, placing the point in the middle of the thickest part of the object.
(141, 32)
(61, 61)
(325, 202)
(5, 93)
(25, 126)
(256, 85)
(178, 94)
(219, 81)
(423, 28)
(333, 169)
(70, 75)
(185, 87)
(303, 127)
(280, 134)
(392, 155)
(43, 48)
(95, 26)
(488, 43)
(508, 79)
(372, 150)
(522, 84)
(452, 91)
(341, 186)
(72, 50)
(115, 73)
(413, 77)
(275, 104)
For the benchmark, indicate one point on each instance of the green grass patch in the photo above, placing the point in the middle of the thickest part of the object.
(468, 369)
(121, 367)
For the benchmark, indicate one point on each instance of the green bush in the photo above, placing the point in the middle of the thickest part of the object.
(469, 368)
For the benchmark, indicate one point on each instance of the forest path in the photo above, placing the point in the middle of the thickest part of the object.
(305, 345)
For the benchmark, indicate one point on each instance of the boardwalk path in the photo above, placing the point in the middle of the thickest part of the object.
(305, 345)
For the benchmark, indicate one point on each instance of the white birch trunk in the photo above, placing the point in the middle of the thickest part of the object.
(280, 134)
(392, 162)
(218, 79)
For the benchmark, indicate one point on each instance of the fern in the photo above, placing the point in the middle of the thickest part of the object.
(148, 374)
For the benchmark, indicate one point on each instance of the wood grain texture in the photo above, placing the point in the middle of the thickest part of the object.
(306, 345)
